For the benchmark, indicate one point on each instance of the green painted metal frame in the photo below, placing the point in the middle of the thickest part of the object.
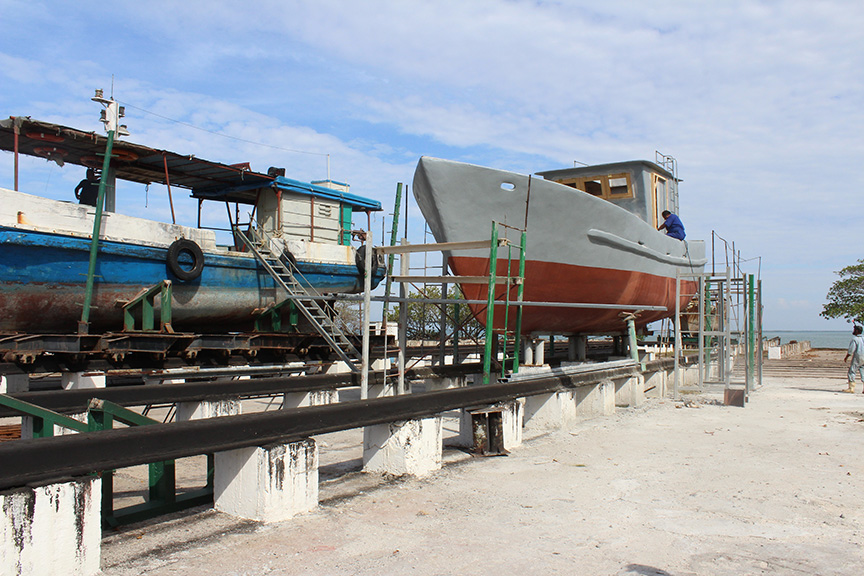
(270, 320)
(163, 497)
(490, 333)
(146, 301)
(44, 420)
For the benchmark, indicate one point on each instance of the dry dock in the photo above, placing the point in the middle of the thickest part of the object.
(669, 488)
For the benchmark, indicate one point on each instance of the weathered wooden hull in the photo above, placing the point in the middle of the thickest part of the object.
(580, 249)
(42, 284)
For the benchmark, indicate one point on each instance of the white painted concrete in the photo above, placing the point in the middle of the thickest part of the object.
(81, 380)
(267, 484)
(312, 398)
(512, 422)
(553, 411)
(629, 392)
(207, 409)
(52, 530)
(445, 382)
(410, 447)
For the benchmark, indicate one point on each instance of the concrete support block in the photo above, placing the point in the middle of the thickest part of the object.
(12, 383)
(539, 352)
(577, 348)
(383, 390)
(656, 384)
(80, 380)
(313, 398)
(527, 352)
(53, 529)
(151, 380)
(410, 447)
(629, 392)
(543, 412)
(445, 383)
(207, 409)
(596, 400)
(267, 484)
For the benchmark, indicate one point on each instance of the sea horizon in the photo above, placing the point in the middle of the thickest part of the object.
(833, 339)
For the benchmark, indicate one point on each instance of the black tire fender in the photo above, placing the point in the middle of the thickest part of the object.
(360, 260)
(190, 248)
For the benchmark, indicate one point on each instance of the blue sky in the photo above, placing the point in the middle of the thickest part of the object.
(761, 102)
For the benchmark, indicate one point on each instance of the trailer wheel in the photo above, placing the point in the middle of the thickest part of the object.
(185, 260)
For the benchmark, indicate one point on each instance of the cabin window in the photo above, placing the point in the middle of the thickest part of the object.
(611, 187)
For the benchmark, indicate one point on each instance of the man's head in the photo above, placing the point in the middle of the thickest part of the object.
(857, 330)
(666, 213)
(91, 174)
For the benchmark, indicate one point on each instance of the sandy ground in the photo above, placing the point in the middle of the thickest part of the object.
(670, 488)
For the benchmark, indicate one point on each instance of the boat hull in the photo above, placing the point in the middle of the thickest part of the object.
(580, 249)
(43, 275)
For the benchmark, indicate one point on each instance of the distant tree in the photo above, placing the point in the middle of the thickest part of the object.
(424, 319)
(846, 296)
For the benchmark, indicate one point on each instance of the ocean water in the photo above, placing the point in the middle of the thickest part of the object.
(837, 339)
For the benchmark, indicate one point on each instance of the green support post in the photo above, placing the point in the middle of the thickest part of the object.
(490, 303)
(519, 295)
(394, 233)
(84, 324)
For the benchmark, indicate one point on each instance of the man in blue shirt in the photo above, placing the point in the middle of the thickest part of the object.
(673, 225)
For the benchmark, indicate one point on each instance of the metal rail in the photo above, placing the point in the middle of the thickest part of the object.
(48, 460)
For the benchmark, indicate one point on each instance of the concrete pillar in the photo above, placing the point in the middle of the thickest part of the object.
(596, 400)
(577, 348)
(267, 484)
(12, 383)
(630, 391)
(544, 412)
(539, 352)
(527, 352)
(207, 409)
(409, 447)
(312, 398)
(511, 419)
(445, 382)
(79, 380)
(656, 384)
(53, 529)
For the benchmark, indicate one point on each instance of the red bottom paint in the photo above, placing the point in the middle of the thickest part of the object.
(553, 282)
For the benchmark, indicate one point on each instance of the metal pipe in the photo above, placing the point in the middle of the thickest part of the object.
(168, 183)
(367, 300)
(84, 324)
(16, 130)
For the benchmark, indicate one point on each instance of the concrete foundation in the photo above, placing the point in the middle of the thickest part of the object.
(267, 484)
(445, 383)
(79, 380)
(629, 392)
(313, 398)
(53, 529)
(411, 447)
(509, 419)
(207, 409)
(656, 384)
(10, 384)
(563, 409)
